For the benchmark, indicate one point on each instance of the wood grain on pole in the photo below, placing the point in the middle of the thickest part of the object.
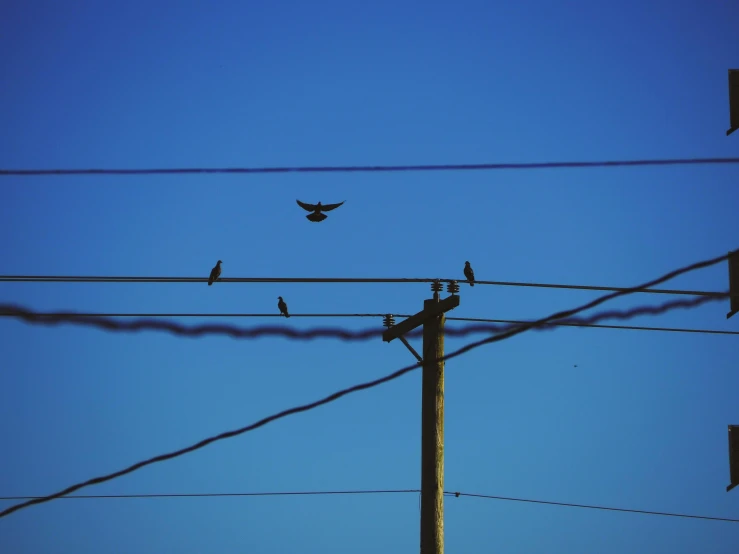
(432, 435)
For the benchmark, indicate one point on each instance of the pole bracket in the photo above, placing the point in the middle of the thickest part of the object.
(409, 347)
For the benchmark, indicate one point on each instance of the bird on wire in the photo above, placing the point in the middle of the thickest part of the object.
(317, 216)
(469, 273)
(215, 273)
(282, 306)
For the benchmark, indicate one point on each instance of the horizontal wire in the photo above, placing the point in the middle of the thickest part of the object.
(112, 325)
(180, 314)
(371, 168)
(380, 491)
(583, 323)
(567, 323)
(591, 507)
(219, 494)
(356, 388)
(127, 279)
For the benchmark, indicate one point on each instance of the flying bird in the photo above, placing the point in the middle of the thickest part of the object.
(282, 306)
(215, 273)
(317, 216)
(469, 273)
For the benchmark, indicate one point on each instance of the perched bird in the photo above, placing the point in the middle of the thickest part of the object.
(215, 273)
(469, 273)
(282, 306)
(317, 216)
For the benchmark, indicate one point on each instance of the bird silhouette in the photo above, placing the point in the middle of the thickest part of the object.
(282, 306)
(317, 216)
(215, 273)
(469, 273)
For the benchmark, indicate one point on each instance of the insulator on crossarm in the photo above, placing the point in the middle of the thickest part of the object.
(388, 321)
(452, 287)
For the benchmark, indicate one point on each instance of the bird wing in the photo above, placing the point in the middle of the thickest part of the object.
(308, 207)
(329, 207)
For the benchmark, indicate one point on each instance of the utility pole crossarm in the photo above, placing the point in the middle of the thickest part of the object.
(418, 319)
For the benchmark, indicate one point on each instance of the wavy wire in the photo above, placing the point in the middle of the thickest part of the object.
(356, 388)
(333, 332)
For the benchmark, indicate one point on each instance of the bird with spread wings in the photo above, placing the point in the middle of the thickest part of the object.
(317, 216)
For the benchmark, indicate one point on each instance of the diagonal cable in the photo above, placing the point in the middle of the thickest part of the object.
(356, 388)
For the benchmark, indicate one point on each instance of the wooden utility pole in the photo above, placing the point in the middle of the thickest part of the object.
(432, 435)
(733, 283)
(733, 456)
(733, 100)
(432, 409)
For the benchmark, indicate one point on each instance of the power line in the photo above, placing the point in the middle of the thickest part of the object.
(371, 168)
(365, 492)
(174, 314)
(9, 310)
(356, 388)
(221, 494)
(590, 507)
(323, 280)
(473, 328)
(574, 323)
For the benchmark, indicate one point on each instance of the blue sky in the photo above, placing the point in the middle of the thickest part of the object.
(639, 423)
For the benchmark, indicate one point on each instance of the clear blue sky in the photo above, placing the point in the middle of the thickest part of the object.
(639, 423)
